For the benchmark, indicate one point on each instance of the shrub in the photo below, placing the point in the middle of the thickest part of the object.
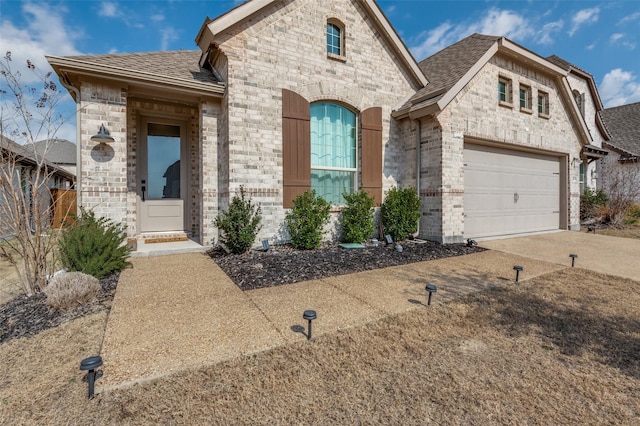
(400, 212)
(71, 290)
(239, 224)
(356, 218)
(305, 221)
(633, 215)
(590, 200)
(93, 245)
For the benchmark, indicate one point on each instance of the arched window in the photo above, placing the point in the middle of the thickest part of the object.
(335, 38)
(579, 97)
(333, 151)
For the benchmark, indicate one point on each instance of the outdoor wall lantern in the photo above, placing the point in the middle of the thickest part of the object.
(430, 289)
(573, 259)
(90, 365)
(102, 136)
(309, 316)
(518, 269)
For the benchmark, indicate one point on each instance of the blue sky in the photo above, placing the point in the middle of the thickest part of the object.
(601, 37)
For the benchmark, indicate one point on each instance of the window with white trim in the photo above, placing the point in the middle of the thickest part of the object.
(333, 151)
(504, 91)
(525, 98)
(543, 104)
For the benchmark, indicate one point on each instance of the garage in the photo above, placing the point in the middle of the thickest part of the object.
(509, 192)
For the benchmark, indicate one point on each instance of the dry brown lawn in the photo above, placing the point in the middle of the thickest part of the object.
(629, 231)
(10, 285)
(563, 348)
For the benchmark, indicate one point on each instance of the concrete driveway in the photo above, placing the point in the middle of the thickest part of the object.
(600, 253)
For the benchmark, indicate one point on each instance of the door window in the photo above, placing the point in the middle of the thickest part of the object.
(163, 161)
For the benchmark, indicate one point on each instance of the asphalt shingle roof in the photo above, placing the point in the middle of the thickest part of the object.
(179, 64)
(623, 122)
(446, 67)
(58, 151)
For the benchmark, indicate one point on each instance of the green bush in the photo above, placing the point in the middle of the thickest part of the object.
(93, 245)
(356, 218)
(590, 200)
(71, 290)
(307, 218)
(240, 224)
(400, 212)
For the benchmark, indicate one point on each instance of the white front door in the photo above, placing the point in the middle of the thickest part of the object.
(161, 175)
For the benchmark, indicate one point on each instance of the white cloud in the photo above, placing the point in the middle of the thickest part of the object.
(548, 31)
(622, 40)
(583, 17)
(157, 17)
(109, 10)
(629, 18)
(619, 87)
(167, 35)
(592, 45)
(495, 22)
(615, 37)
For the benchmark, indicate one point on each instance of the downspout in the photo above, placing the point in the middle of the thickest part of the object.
(418, 168)
(73, 89)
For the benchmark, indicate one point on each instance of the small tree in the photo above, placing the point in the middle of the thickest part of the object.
(622, 186)
(27, 115)
(400, 212)
(306, 220)
(240, 224)
(356, 218)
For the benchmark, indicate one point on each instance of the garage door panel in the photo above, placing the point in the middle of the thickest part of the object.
(510, 192)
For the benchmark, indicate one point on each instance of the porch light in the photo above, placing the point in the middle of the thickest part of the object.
(102, 136)
(309, 316)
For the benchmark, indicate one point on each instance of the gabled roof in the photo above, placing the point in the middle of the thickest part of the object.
(623, 123)
(211, 28)
(27, 154)
(57, 151)
(176, 69)
(593, 88)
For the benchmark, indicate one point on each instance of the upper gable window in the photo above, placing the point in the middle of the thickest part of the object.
(525, 98)
(504, 91)
(579, 97)
(335, 38)
(543, 104)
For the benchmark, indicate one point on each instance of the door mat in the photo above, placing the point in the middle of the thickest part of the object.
(165, 240)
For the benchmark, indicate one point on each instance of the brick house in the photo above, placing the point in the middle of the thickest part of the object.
(622, 166)
(283, 97)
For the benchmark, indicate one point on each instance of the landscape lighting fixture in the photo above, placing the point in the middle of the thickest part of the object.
(573, 259)
(102, 136)
(430, 289)
(518, 269)
(309, 315)
(90, 365)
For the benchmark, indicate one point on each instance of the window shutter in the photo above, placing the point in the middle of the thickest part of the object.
(371, 120)
(296, 146)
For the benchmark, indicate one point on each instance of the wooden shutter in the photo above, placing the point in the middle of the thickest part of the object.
(371, 120)
(296, 146)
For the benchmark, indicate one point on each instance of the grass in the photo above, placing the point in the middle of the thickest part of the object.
(627, 231)
(563, 348)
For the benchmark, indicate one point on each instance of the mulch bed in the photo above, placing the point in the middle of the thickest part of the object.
(285, 265)
(29, 315)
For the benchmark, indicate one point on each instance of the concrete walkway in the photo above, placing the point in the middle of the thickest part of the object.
(178, 312)
(600, 253)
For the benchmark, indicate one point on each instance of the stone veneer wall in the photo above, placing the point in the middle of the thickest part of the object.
(104, 182)
(475, 113)
(285, 47)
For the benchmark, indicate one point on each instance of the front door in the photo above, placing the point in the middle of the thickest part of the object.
(161, 175)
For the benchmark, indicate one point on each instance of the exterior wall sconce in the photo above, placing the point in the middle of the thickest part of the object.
(102, 136)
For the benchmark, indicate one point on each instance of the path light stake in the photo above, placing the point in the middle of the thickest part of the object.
(309, 316)
(518, 269)
(430, 289)
(90, 365)
(573, 259)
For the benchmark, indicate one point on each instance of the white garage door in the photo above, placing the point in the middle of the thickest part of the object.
(509, 192)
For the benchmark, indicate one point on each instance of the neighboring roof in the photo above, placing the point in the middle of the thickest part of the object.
(58, 151)
(213, 27)
(177, 69)
(28, 155)
(623, 123)
(591, 82)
